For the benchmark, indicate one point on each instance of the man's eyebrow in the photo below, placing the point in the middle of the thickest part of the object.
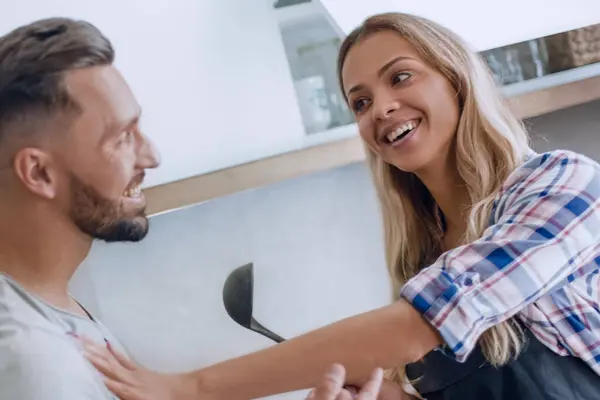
(117, 126)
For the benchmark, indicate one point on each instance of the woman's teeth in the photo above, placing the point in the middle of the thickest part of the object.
(133, 192)
(402, 131)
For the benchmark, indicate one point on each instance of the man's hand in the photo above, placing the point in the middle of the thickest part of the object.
(332, 386)
(392, 391)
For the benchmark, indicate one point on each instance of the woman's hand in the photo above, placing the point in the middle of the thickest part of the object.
(132, 382)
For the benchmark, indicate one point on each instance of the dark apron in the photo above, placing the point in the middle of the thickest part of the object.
(537, 374)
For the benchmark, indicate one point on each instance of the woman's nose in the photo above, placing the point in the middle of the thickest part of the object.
(386, 107)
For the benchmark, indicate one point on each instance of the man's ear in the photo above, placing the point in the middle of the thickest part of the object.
(36, 170)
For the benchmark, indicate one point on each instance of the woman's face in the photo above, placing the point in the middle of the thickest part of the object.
(407, 111)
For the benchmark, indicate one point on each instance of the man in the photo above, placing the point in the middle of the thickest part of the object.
(72, 159)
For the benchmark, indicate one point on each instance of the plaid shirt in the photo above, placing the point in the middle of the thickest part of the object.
(538, 259)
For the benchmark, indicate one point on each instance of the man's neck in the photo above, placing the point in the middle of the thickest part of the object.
(42, 252)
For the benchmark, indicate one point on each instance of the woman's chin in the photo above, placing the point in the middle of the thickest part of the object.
(408, 164)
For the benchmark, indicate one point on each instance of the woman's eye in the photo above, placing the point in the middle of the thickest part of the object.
(400, 77)
(359, 104)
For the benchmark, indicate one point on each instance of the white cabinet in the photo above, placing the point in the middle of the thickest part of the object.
(311, 44)
(485, 25)
(211, 76)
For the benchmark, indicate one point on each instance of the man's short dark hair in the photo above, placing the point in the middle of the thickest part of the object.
(33, 61)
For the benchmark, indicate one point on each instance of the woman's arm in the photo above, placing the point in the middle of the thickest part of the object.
(546, 233)
(385, 338)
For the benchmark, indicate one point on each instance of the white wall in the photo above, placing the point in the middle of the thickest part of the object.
(576, 128)
(206, 72)
(315, 243)
(316, 248)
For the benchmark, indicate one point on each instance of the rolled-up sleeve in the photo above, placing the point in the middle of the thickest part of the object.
(545, 229)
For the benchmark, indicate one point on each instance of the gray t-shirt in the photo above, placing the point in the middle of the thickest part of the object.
(39, 360)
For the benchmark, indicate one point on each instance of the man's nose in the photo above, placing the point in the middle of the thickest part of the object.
(149, 156)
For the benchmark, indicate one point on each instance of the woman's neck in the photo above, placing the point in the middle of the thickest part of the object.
(450, 194)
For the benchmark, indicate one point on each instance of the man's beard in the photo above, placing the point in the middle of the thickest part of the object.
(102, 218)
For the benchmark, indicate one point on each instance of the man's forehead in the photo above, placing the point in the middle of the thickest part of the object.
(104, 91)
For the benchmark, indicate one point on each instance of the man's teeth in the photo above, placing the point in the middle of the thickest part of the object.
(133, 192)
(401, 131)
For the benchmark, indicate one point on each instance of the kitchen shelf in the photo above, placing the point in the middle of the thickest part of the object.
(303, 12)
(536, 89)
(311, 45)
(552, 80)
(342, 146)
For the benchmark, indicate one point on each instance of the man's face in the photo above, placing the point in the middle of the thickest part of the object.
(102, 158)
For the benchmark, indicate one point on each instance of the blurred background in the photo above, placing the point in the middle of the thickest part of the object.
(262, 161)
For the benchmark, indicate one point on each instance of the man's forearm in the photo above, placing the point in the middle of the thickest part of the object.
(385, 338)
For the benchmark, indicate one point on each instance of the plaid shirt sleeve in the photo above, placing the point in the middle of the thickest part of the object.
(544, 229)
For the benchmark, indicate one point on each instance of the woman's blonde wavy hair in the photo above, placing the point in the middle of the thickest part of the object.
(490, 143)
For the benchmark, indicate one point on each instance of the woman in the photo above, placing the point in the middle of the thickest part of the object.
(492, 248)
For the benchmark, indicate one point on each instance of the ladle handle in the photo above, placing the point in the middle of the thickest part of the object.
(257, 327)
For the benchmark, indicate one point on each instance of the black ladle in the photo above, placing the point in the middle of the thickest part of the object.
(238, 298)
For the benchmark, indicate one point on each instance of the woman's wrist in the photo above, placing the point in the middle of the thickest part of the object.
(196, 386)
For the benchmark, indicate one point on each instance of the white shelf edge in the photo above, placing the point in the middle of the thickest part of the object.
(552, 80)
(331, 135)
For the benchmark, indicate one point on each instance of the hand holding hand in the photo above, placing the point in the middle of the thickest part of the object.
(332, 386)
